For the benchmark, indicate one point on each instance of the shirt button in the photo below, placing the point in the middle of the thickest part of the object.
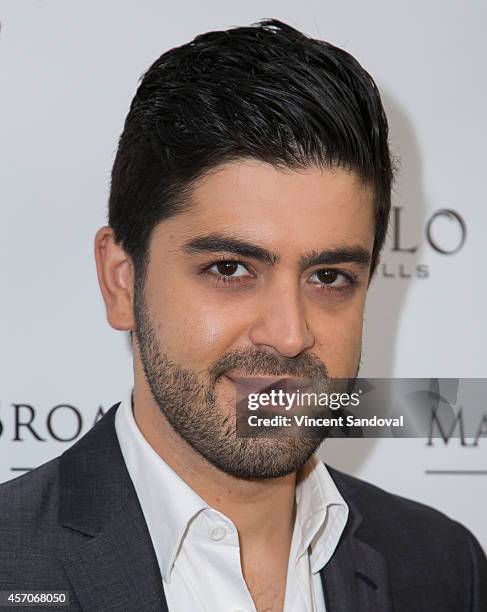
(218, 533)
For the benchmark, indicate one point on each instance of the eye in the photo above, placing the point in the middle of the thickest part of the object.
(232, 269)
(228, 271)
(332, 278)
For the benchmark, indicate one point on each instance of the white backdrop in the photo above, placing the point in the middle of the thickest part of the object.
(68, 71)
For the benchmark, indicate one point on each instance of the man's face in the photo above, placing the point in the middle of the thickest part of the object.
(265, 276)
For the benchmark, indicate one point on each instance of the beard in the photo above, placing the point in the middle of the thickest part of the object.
(188, 400)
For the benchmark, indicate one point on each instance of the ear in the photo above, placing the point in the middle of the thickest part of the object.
(116, 279)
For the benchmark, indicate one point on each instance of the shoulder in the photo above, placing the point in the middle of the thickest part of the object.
(15, 494)
(29, 506)
(412, 536)
(30, 540)
(393, 512)
(377, 505)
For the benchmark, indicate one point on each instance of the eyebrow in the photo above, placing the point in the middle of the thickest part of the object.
(346, 254)
(220, 243)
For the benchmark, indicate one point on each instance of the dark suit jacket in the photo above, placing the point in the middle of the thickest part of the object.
(75, 524)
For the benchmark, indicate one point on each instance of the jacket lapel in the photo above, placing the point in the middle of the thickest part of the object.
(109, 557)
(356, 578)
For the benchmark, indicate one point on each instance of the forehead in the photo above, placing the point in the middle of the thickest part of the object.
(309, 208)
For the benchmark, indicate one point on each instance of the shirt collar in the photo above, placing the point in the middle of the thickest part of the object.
(169, 505)
(321, 513)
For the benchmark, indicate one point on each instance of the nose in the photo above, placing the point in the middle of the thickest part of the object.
(280, 322)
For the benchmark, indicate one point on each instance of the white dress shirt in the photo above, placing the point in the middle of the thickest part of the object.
(197, 547)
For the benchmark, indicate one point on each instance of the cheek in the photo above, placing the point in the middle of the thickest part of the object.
(339, 342)
(192, 331)
(349, 356)
(209, 330)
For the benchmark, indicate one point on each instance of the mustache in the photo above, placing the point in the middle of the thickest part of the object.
(250, 362)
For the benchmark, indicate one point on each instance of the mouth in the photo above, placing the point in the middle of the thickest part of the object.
(259, 384)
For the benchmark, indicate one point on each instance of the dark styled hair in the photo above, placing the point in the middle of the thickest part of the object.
(266, 92)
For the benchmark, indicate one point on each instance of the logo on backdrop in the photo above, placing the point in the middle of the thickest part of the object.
(445, 233)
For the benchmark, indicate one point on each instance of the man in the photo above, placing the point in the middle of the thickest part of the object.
(249, 203)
